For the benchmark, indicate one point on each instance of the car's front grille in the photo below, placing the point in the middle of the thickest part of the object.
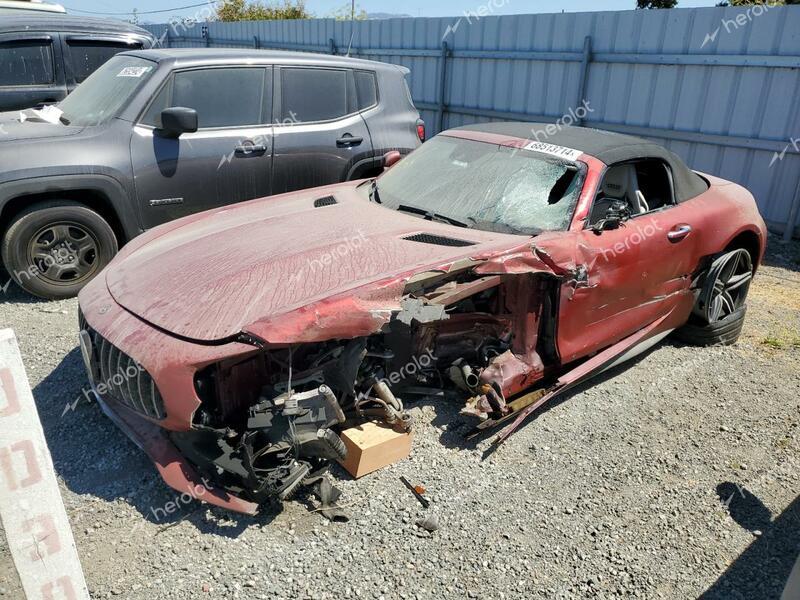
(118, 375)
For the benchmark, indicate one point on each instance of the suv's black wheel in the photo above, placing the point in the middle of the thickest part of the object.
(53, 249)
(719, 311)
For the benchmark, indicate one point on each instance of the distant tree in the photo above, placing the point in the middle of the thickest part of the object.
(257, 10)
(345, 13)
(656, 3)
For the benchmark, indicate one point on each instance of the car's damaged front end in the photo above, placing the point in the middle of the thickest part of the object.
(252, 417)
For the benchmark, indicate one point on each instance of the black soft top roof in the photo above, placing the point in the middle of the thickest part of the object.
(611, 148)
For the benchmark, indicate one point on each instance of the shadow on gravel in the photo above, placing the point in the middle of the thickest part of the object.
(781, 254)
(763, 570)
(457, 426)
(11, 292)
(95, 458)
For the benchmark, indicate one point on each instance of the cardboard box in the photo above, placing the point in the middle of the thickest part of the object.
(372, 446)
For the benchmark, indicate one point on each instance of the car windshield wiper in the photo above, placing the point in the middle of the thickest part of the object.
(64, 120)
(431, 216)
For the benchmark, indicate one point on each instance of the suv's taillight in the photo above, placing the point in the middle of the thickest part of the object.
(421, 130)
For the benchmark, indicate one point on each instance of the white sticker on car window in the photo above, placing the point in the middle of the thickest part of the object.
(553, 150)
(134, 71)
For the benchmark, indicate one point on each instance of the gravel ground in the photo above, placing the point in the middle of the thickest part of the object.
(673, 476)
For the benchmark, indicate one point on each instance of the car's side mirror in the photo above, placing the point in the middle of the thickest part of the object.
(176, 121)
(391, 158)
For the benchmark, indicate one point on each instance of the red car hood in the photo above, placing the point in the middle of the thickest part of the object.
(212, 276)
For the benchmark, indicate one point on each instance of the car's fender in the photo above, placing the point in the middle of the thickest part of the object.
(118, 198)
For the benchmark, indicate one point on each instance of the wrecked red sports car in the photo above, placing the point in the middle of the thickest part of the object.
(499, 264)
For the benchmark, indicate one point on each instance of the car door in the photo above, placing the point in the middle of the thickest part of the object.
(631, 275)
(31, 71)
(84, 53)
(319, 133)
(227, 160)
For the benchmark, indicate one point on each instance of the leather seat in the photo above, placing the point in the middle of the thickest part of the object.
(619, 183)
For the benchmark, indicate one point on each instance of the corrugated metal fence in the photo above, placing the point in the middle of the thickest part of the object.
(719, 86)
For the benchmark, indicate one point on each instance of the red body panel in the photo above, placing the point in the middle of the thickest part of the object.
(260, 267)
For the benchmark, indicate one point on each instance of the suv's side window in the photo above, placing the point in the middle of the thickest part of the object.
(223, 97)
(311, 95)
(366, 89)
(642, 186)
(86, 56)
(26, 63)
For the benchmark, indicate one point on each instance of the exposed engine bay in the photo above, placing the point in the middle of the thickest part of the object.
(269, 422)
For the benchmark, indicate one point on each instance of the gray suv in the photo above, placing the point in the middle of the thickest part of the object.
(156, 135)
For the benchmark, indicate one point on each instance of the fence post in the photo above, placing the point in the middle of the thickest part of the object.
(584, 79)
(256, 42)
(334, 50)
(442, 90)
(167, 37)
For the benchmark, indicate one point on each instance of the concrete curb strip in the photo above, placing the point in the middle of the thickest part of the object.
(31, 508)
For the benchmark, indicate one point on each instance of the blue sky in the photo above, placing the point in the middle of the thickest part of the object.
(424, 8)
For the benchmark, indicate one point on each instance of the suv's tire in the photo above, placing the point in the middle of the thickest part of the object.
(52, 249)
(719, 311)
(724, 332)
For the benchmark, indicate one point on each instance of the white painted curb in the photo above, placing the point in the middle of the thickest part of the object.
(31, 508)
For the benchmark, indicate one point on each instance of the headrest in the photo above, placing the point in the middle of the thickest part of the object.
(619, 182)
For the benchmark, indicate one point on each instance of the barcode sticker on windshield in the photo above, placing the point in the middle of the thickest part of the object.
(134, 71)
(553, 150)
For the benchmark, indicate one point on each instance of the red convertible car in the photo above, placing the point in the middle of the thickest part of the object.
(500, 264)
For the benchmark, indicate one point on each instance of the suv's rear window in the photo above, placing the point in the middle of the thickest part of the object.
(366, 89)
(26, 63)
(86, 57)
(309, 95)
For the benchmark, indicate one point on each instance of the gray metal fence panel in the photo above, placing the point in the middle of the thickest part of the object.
(719, 86)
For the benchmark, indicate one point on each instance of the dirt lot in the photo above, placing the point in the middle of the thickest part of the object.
(673, 476)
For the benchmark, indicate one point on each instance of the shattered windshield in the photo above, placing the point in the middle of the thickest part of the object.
(483, 186)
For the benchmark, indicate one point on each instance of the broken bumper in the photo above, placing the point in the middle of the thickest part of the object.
(173, 468)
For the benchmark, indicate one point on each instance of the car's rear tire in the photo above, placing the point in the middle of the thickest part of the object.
(52, 249)
(720, 309)
(724, 332)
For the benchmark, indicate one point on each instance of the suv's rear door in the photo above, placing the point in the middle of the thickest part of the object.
(84, 53)
(227, 160)
(31, 71)
(319, 133)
